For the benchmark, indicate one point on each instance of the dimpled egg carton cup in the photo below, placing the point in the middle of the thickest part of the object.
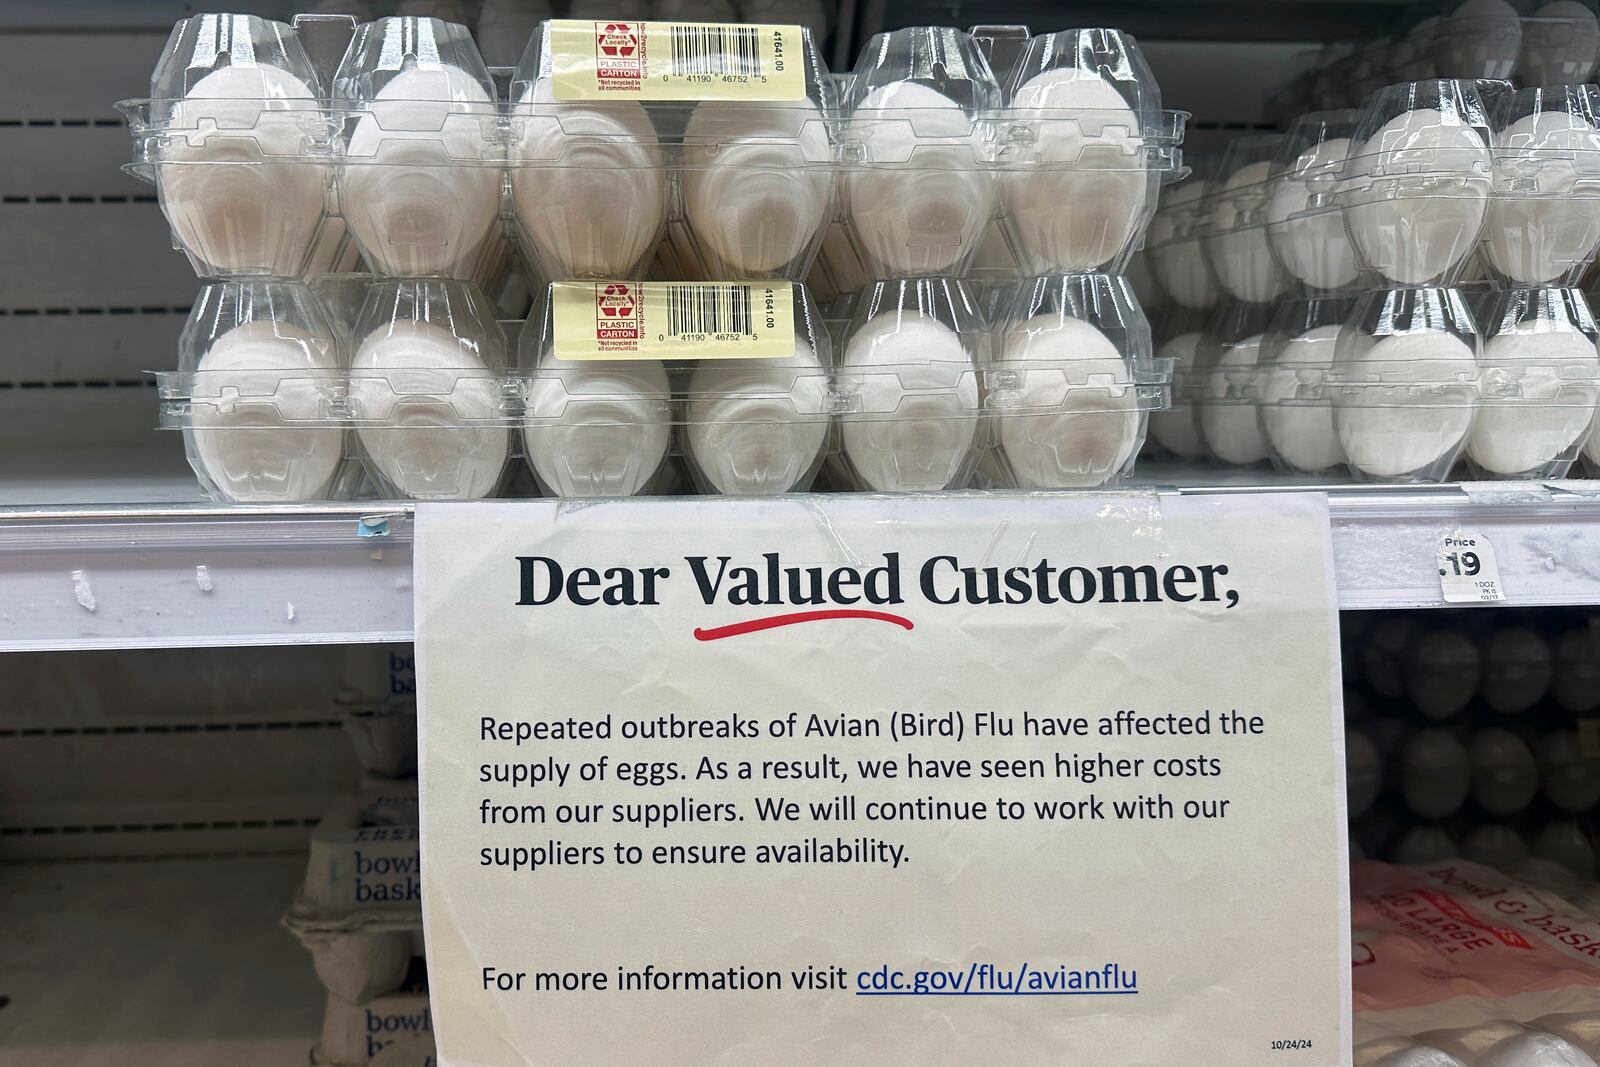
(1415, 188)
(1543, 222)
(1297, 365)
(257, 394)
(431, 408)
(917, 147)
(1226, 387)
(911, 413)
(1083, 148)
(1540, 380)
(1304, 225)
(1560, 42)
(1177, 257)
(239, 145)
(1233, 222)
(601, 427)
(1174, 431)
(421, 172)
(1072, 381)
(1405, 384)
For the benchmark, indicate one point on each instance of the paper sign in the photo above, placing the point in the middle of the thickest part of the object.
(672, 320)
(1468, 573)
(667, 61)
(862, 781)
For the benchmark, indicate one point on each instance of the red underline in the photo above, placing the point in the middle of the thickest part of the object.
(717, 633)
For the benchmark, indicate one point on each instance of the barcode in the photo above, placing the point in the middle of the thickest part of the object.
(705, 51)
(708, 309)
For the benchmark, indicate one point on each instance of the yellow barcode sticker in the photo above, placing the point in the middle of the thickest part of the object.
(665, 61)
(673, 320)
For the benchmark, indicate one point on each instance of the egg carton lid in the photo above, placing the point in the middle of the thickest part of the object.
(382, 821)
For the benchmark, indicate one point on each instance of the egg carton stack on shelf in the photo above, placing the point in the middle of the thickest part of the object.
(289, 391)
(359, 909)
(1473, 759)
(1427, 251)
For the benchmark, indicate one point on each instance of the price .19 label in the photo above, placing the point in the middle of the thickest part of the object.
(1468, 573)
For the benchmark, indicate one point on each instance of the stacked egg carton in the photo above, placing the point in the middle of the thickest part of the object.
(1477, 740)
(358, 912)
(1431, 245)
(721, 200)
(996, 211)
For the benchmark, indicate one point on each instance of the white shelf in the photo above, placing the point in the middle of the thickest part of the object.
(166, 964)
(188, 575)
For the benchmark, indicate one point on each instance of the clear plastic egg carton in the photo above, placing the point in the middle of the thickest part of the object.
(1225, 386)
(1297, 365)
(1233, 222)
(1539, 383)
(1067, 148)
(745, 187)
(1405, 385)
(1072, 382)
(359, 910)
(273, 392)
(392, 1030)
(1174, 432)
(1416, 187)
(1173, 244)
(1305, 226)
(1543, 220)
(241, 146)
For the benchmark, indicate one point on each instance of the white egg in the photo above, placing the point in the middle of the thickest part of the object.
(599, 429)
(588, 184)
(1313, 245)
(1079, 204)
(1422, 845)
(1576, 683)
(1443, 675)
(429, 393)
(1534, 1049)
(1566, 843)
(1570, 772)
(1179, 260)
(1518, 666)
(1392, 436)
(1436, 774)
(420, 185)
(1228, 419)
(1496, 846)
(1557, 382)
(232, 183)
(1505, 776)
(1560, 44)
(917, 416)
(927, 196)
(1079, 423)
(253, 449)
(1300, 427)
(1363, 769)
(1240, 248)
(1544, 221)
(1176, 429)
(1383, 654)
(1416, 204)
(758, 425)
(757, 183)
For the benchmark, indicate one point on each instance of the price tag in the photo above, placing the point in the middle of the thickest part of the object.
(1468, 573)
